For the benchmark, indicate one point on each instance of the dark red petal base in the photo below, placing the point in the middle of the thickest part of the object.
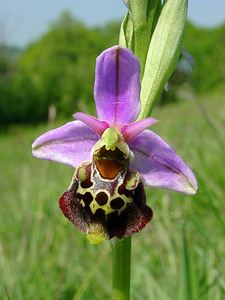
(132, 219)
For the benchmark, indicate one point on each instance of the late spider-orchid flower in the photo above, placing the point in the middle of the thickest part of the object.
(114, 156)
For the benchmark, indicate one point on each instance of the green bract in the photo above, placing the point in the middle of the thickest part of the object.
(154, 33)
(163, 52)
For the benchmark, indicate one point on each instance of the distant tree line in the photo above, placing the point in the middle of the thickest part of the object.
(58, 68)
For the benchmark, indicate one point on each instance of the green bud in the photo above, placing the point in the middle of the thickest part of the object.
(143, 15)
(126, 32)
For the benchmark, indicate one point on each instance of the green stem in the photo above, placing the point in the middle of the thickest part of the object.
(121, 251)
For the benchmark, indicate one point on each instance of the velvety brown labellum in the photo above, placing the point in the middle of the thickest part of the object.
(105, 198)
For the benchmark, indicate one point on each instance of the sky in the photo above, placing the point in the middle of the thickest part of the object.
(22, 21)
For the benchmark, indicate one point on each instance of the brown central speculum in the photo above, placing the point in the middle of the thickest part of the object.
(104, 197)
(109, 163)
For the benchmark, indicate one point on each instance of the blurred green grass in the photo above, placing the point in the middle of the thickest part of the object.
(179, 256)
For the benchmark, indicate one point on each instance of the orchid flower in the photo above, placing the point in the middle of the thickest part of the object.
(114, 156)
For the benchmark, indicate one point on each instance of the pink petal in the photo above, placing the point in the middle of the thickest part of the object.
(159, 164)
(69, 144)
(117, 86)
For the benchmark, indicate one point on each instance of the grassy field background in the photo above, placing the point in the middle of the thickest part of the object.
(179, 256)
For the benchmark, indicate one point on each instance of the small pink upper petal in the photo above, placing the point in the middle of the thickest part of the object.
(98, 126)
(130, 131)
(117, 86)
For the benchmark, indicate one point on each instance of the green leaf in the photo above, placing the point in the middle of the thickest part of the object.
(163, 52)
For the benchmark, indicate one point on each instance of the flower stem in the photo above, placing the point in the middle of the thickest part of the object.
(121, 251)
